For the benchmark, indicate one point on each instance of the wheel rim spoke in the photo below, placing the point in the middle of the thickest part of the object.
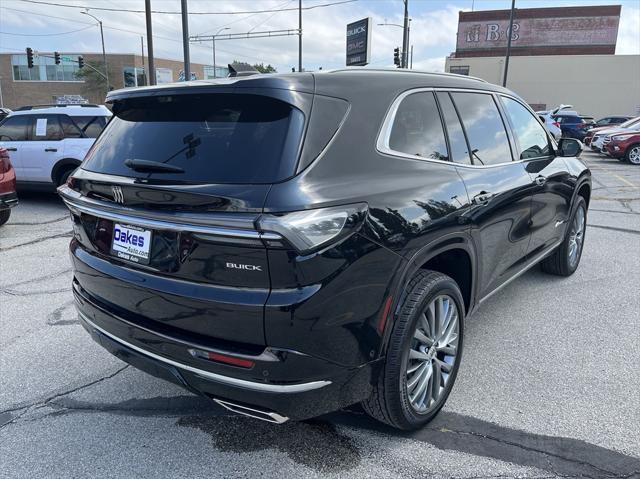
(433, 353)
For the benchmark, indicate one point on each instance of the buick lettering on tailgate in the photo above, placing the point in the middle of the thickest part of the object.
(131, 243)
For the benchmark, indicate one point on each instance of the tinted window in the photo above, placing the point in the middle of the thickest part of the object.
(46, 128)
(14, 128)
(417, 128)
(485, 130)
(69, 128)
(215, 138)
(531, 136)
(457, 141)
(91, 126)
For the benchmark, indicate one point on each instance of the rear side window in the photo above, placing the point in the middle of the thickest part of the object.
(91, 126)
(417, 128)
(14, 128)
(457, 141)
(485, 131)
(531, 136)
(46, 128)
(214, 138)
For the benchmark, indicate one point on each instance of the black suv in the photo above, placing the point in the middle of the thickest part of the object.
(288, 245)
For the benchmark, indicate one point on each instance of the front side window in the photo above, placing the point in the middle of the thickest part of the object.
(485, 130)
(531, 136)
(14, 128)
(417, 128)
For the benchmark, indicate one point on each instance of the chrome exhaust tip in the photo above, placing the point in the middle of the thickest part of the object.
(268, 416)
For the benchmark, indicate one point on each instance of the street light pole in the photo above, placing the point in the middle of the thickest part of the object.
(213, 41)
(152, 67)
(405, 36)
(185, 40)
(405, 55)
(299, 35)
(104, 53)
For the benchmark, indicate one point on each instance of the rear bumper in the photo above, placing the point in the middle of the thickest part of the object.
(325, 388)
(8, 200)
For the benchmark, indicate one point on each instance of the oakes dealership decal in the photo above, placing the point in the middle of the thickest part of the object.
(539, 32)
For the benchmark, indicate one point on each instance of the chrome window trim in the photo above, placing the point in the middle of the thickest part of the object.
(79, 204)
(382, 142)
(228, 380)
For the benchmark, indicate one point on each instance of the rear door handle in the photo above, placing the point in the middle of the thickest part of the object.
(540, 180)
(11, 149)
(482, 198)
(50, 149)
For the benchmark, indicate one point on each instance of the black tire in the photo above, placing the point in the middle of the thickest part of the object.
(632, 154)
(390, 402)
(559, 263)
(62, 179)
(4, 216)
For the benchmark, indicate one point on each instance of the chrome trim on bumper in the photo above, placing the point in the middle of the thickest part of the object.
(268, 416)
(230, 381)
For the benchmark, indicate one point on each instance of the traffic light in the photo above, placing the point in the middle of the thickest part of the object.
(29, 57)
(80, 61)
(396, 57)
(56, 57)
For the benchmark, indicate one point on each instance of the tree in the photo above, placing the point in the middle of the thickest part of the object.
(262, 68)
(94, 83)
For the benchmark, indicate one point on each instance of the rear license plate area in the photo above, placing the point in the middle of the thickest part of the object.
(131, 243)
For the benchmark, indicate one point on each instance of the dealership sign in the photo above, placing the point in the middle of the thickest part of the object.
(540, 30)
(359, 42)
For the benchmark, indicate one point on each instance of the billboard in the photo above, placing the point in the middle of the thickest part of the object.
(359, 42)
(539, 31)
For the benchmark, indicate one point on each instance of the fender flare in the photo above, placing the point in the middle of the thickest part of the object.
(458, 240)
(62, 165)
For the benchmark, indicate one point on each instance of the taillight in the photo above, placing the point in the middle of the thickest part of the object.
(310, 230)
(556, 124)
(5, 161)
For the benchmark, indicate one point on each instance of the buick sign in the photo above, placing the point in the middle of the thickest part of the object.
(359, 42)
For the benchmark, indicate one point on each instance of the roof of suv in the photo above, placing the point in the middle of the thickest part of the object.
(327, 82)
(71, 110)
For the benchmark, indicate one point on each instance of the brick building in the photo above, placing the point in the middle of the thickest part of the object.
(47, 82)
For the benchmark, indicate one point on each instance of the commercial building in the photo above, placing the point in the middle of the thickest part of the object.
(48, 83)
(558, 55)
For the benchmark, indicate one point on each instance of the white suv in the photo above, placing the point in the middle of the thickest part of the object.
(46, 143)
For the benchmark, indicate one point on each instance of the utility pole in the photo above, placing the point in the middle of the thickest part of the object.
(152, 67)
(506, 62)
(213, 42)
(299, 35)
(405, 36)
(104, 54)
(185, 40)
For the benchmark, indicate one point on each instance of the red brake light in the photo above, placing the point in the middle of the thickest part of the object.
(556, 124)
(223, 358)
(5, 161)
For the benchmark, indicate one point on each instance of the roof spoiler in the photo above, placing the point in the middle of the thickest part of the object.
(241, 70)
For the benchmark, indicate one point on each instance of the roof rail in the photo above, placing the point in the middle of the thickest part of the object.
(405, 71)
(57, 105)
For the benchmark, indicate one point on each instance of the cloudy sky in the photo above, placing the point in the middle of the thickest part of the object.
(433, 28)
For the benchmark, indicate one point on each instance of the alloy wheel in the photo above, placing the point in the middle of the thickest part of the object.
(634, 155)
(576, 236)
(433, 354)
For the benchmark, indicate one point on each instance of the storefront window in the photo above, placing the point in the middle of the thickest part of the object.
(44, 68)
(134, 76)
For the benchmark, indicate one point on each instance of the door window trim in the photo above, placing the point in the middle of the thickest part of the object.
(515, 138)
(382, 141)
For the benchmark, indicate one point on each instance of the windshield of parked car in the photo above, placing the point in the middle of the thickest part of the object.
(212, 138)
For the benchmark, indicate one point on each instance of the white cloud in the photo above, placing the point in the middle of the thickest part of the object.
(629, 32)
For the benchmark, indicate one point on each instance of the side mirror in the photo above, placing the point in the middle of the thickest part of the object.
(569, 147)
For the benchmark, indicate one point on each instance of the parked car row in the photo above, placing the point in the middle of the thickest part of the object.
(46, 143)
(562, 122)
(621, 142)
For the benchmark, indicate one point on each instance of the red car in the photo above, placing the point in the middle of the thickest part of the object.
(631, 123)
(624, 146)
(8, 196)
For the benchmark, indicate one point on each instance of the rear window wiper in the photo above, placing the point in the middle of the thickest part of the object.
(146, 166)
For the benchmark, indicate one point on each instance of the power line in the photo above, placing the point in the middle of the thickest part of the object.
(166, 12)
(46, 34)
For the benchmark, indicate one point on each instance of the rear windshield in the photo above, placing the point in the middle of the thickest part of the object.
(215, 138)
(588, 119)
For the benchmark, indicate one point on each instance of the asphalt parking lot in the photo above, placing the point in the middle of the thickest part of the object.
(549, 385)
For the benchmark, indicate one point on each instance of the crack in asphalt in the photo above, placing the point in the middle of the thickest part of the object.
(47, 222)
(43, 403)
(42, 278)
(631, 212)
(66, 234)
(614, 228)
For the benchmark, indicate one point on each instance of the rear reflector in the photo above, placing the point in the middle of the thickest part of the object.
(222, 358)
